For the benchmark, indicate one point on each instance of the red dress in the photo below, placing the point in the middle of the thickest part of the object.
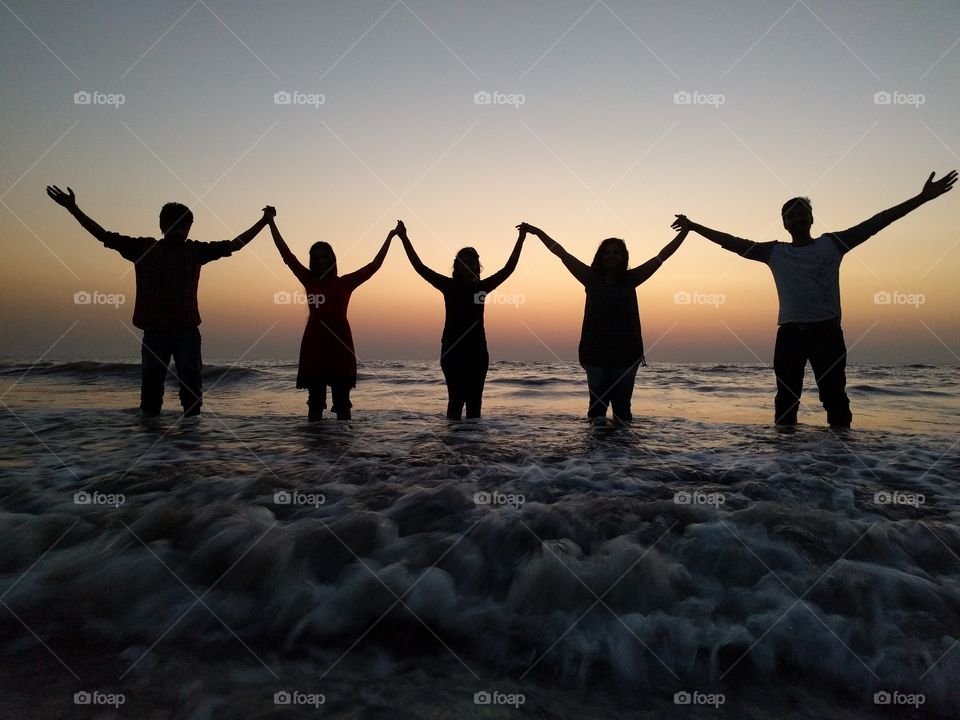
(326, 351)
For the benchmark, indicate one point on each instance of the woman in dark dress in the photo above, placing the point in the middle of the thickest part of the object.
(611, 344)
(463, 347)
(326, 351)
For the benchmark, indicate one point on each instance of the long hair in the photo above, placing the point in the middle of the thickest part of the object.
(459, 273)
(597, 265)
(318, 270)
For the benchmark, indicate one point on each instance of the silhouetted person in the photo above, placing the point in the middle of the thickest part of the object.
(807, 275)
(611, 344)
(168, 273)
(326, 351)
(463, 346)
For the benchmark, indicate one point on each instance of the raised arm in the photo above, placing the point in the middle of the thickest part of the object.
(745, 248)
(69, 201)
(431, 276)
(643, 272)
(580, 270)
(302, 273)
(243, 238)
(494, 281)
(360, 276)
(849, 239)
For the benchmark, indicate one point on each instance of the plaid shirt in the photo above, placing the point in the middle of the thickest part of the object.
(168, 274)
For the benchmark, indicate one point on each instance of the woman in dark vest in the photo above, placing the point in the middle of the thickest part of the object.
(611, 345)
(463, 347)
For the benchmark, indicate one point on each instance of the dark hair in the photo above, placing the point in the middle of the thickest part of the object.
(174, 215)
(804, 201)
(321, 272)
(597, 265)
(458, 272)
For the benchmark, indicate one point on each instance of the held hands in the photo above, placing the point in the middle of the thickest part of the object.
(682, 224)
(63, 199)
(269, 213)
(526, 228)
(935, 188)
(400, 230)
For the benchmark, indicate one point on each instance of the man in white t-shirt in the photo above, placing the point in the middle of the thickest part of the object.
(806, 272)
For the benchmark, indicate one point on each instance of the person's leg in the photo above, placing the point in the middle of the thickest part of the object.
(340, 389)
(316, 400)
(789, 361)
(453, 374)
(476, 378)
(154, 358)
(597, 386)
(828, 358)
(621, 392)
(186, 355)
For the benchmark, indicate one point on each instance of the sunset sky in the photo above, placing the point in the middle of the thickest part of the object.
(606, 118)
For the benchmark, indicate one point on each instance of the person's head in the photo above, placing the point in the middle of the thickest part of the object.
(797, 214)
(466, 265)
(323, 261)
(175, 221)
(611, 258)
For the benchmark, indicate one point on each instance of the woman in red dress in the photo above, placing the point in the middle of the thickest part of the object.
(326, 351)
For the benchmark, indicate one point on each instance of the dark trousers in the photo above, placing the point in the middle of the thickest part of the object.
(611, 385)
(822, 344)
(155, 352)
(340, 390)
(465, 373)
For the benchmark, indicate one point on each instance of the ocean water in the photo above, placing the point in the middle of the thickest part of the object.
(699, 563)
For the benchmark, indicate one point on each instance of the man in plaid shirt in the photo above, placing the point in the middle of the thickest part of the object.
(168, 274)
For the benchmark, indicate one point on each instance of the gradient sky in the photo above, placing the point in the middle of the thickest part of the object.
(598, 148)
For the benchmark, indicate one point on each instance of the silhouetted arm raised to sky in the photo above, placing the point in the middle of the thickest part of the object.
(745, 248)
(247, 235)
(431, 276)
(360, 276)
(302, 273)
(849, 239)
(494, 281)
(69, 201)
(641, 273)
(580, 270)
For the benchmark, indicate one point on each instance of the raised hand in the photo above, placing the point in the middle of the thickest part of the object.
(69, 201)
(400, 230)
(527, 228)
(935, 188)
(269, 212)
(682, 223)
